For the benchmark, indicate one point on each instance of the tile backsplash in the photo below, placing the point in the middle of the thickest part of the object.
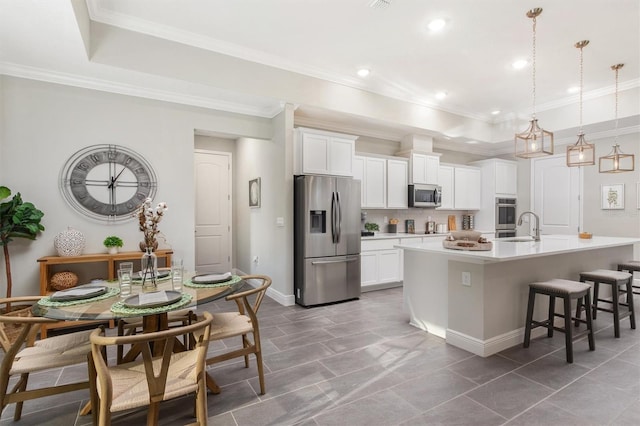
(420, 216)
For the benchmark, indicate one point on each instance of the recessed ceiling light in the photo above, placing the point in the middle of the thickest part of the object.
(519, 64)
(574, 89)
(437, 24)
(472, 142)
(441, 95)
(495, 112)
(363, 72)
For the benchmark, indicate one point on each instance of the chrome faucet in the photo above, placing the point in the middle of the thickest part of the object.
(536, 226)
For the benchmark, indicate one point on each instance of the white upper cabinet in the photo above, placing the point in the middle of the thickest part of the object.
(383, 181)
(424, 168)
(467, 188)
(397, 184)
(500, 177)
(324, 153)
(506, 181)
(374, 187)
(445, 180)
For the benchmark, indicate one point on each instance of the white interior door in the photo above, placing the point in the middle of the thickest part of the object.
(556, 195)
(213, 212)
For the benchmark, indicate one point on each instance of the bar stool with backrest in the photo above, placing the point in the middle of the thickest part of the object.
(631, 266)
(616, 279)
(567, 291)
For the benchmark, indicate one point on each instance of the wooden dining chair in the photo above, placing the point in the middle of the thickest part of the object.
(242, 323)
(149, 381)
(23, 354)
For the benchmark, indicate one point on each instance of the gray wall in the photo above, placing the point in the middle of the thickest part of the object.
(44, 124)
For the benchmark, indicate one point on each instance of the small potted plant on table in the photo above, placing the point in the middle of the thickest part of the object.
(112, 243)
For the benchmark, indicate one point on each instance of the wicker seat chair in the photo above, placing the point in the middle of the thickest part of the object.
(242, 323)
(150, 380)
(23, 354)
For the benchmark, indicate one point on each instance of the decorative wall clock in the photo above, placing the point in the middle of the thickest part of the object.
(107, 182)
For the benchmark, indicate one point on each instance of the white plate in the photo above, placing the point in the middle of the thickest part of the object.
(152, 299)
(78, 293)
(212, 278)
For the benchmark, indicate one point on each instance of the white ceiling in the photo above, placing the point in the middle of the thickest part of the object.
(331, 39)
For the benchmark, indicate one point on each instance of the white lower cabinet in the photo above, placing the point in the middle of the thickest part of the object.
(380, 262)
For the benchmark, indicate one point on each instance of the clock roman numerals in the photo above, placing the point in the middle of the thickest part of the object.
(107, 182)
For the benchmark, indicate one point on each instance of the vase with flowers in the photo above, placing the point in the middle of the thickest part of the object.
(148, 218)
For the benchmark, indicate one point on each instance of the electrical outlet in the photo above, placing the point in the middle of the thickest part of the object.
(466, 279)
(256, 259)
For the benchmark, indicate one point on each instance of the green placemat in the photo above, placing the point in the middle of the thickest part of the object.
(121, 309)
(46, 301)
(234, 279)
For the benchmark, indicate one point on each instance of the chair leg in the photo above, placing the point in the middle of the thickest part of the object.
(245, 344)
(153, 415)
(24, 378)
(568, 330)
(596, 287)
(587, 302)
(632, 312)
(616, 309)
(527, 326)
(552, 314)
(201, 404)
(579, 311)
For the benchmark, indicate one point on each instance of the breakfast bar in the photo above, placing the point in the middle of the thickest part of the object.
(477, 300)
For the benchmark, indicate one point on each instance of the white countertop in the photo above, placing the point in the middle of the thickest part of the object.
(386, 236)
(504, 251)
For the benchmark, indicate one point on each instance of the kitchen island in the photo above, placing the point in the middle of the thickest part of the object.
(477, 300)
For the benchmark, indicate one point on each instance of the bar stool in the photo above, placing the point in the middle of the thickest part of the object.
(631, 266)
(567, 290)
(615, 279)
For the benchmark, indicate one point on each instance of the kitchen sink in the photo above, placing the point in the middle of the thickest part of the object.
(516, 239)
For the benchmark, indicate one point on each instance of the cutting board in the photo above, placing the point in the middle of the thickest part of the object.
(452, 222)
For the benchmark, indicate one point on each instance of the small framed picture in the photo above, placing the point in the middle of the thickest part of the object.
(254, 193)
(612, 197)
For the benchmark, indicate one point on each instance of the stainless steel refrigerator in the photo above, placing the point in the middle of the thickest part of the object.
(326, 239)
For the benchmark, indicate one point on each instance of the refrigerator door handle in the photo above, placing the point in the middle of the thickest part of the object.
(323, 262)
(339, 218)
(333, 217)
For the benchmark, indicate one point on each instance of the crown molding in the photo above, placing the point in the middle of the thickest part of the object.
(75, 80)
(109, 17)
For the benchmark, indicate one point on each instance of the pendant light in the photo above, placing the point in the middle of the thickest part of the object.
(616, 161)
(535, 141)
(581, 153)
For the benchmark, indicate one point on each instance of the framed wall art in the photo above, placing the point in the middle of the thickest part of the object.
(612, 197)
(254, 193)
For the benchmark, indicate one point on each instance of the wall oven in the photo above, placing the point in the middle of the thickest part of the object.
(505, 217)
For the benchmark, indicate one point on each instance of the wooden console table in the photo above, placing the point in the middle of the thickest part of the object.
(112, 261)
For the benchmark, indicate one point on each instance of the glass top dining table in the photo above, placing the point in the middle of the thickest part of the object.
(101, 309)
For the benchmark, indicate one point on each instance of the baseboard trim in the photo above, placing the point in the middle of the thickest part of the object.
(382, 286)
(485, 348)
(283, 299)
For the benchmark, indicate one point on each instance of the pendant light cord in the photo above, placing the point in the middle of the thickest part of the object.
(581, 81)
(533, 72)
(615, 137)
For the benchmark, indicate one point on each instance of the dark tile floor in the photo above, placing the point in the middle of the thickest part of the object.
(361, 363)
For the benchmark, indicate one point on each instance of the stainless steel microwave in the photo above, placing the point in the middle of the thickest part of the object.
(425, 195)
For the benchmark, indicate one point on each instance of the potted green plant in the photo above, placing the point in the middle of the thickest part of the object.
(371, 227)
(17, 220)
(112, 243)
